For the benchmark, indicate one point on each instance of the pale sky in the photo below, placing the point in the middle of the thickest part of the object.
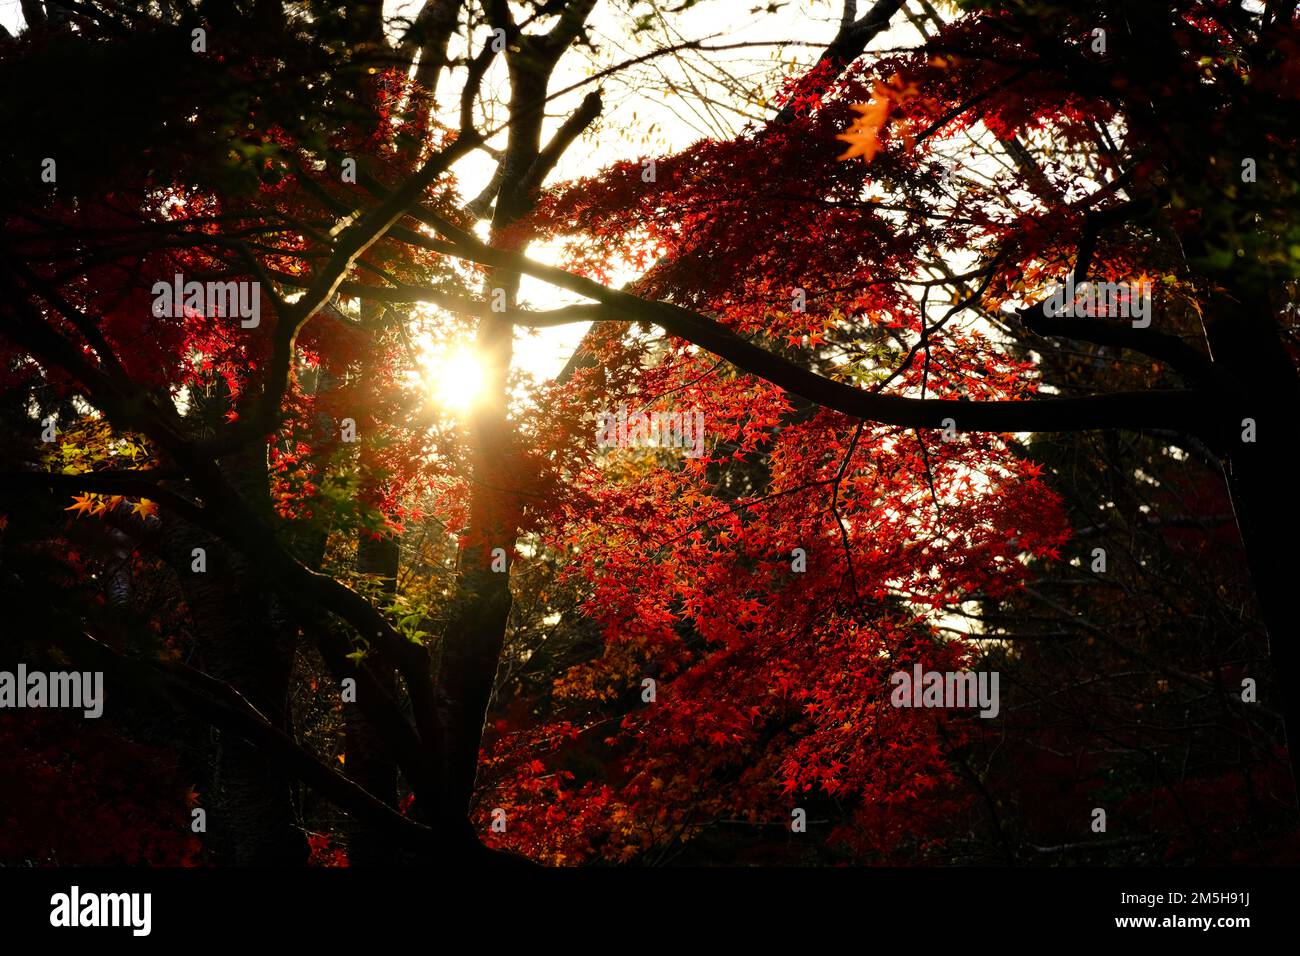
(639, 117)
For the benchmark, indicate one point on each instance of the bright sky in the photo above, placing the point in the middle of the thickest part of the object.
(640, 118)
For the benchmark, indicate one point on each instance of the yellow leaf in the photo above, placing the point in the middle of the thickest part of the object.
(144, 508)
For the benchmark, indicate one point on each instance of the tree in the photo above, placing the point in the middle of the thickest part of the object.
(839, 319)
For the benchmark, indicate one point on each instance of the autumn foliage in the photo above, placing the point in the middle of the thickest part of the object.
(696, 646)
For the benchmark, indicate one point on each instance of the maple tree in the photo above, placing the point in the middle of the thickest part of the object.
(624, 653)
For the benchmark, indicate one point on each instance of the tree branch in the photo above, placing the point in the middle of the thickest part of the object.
(223, 706)
(1169, 349)
(356, 239)
(1182, 410)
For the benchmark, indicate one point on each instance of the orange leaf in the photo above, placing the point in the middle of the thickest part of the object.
(144, 508)
(82, 504)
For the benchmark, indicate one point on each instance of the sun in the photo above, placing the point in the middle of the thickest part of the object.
(456, 379)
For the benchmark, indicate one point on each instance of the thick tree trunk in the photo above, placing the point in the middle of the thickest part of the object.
(367, 759)
(472, 641)
(475, 635)
(467, 671)
(249, 804)
(240, 639)
(1264, 388)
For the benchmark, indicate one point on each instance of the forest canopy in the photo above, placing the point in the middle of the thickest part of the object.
(619, 432)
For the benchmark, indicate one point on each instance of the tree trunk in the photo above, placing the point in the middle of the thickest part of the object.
(250, 814)
(472, 642)
(367, 760)
(239, 639)
(1265, 388)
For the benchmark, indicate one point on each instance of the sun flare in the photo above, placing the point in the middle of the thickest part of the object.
(456, 379)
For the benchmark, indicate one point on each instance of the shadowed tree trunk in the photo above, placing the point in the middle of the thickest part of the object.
(1262, 382)
(367, 759)
(239, 640)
